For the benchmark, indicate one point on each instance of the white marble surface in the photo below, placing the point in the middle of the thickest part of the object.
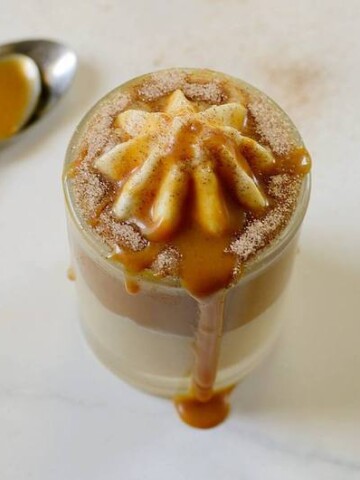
(62, 415)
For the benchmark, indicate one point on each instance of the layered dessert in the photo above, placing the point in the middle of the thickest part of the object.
(185, 192)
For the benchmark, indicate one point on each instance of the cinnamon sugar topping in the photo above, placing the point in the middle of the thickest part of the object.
(259, 233)
(167, 262)
(162, 83)
(159, 84)
(90, 189)
(206, 92)
(119, 234)
(272, 125)
(100, 134)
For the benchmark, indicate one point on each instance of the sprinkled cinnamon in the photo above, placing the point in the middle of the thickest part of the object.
(90, 189)
(162, 83)
(272, 125)
(259, 233)
(167, 262)
(209, 92)
(159, 84)
(100, 134)
(119, 234)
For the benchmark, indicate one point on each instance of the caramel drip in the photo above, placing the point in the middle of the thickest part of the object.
(136, 262)
(299, 161)
(132, 286)
(207, 346)
(208, 414)
(71, 275)
(203, 408)
(214, 267)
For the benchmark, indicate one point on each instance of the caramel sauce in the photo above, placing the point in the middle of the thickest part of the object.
(207, 414)
(298, 161)
(136, 262)
(132, 287)
(71, 275)
(205, 266)
(15, 94)
(207, 345)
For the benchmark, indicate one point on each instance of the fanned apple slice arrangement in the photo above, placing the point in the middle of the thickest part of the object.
(167, 153)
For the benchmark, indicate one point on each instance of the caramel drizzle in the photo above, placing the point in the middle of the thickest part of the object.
(207, 346)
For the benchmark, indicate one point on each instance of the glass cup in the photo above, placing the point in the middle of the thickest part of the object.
(146, 337)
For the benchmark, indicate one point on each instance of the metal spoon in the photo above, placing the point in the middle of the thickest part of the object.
(57, 66)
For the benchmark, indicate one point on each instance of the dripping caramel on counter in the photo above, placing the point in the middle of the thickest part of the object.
(188, 176)
(207, 414)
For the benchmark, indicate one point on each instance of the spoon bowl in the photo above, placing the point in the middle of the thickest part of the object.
(57, 66)
(20, 89)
